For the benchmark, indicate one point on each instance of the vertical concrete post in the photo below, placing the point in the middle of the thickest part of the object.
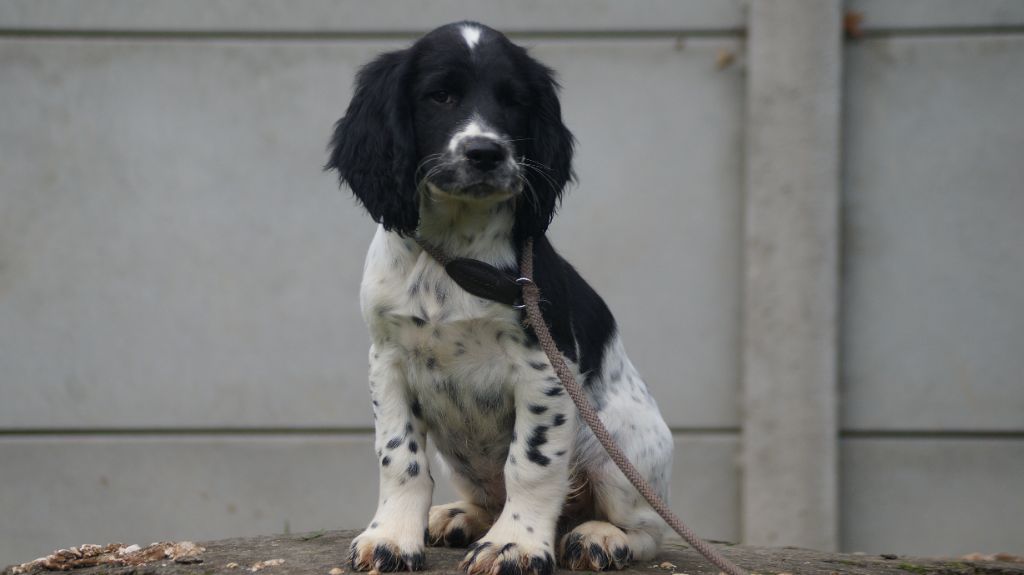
(791, 274)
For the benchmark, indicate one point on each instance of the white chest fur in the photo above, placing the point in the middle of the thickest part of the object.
(461, 355)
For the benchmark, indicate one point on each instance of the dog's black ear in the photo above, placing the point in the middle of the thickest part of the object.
(549, 150)
(373, 147)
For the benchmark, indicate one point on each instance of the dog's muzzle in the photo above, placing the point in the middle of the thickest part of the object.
(478, 167)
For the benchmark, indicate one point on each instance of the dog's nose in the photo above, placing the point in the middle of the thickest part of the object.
(484, 153)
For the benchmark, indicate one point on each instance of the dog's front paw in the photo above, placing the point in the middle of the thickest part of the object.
(595, 546)
(378, 552)
(492, 558)
(457, 524)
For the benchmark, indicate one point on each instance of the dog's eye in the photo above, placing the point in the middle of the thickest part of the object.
(442, 97)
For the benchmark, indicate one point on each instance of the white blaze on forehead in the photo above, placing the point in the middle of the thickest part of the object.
(471, 35)
(475, 127)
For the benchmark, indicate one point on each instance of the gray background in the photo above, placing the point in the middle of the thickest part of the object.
(181, 351)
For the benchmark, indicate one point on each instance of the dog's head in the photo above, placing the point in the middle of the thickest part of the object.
(463, 114)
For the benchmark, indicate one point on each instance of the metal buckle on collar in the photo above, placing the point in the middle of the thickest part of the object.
(522, 281)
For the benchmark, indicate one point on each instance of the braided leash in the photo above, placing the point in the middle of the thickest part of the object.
(531, 297)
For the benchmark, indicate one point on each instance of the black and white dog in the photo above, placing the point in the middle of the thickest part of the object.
(459, 140)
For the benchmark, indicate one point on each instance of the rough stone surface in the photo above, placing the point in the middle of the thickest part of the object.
(320, 552)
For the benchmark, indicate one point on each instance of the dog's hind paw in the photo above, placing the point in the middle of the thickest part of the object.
(457, 524)
(595, 546)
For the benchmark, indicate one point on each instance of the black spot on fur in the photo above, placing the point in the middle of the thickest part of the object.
(455, 511)
(419, 321)
(598, 390)
(373, 525)
(489, 400)
(413, 447)
(598, 557)
(456, 537)
(542, 565)
(384, 559)
(553, 391)
(394, 442)
(413, 470)
(537, 438)
(573, 548)
(476, 548)
(510, 567)
(537, 409)
(431, 362)
(385, 461)
(452, 392)
(558, 420)
(415, 561)
(622, 554)
(538, 365)
(417, 409)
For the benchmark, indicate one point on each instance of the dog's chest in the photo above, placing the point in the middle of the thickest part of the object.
(461, 355)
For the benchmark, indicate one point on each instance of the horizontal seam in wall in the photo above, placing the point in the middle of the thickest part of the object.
(969, 434)
(938, 31)
(329, 36)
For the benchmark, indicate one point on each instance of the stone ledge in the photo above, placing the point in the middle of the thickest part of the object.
(319, 552)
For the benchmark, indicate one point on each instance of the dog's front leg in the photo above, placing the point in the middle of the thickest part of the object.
(394, 541)
(536, 478)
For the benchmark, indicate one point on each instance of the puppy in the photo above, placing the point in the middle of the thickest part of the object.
(458, 141)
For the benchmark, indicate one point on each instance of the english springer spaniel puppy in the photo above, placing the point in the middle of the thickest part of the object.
(458, 142)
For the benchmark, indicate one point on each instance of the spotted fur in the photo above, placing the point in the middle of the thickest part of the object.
(459, 140)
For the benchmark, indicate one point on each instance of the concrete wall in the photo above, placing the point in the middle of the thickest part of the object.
(181, 354)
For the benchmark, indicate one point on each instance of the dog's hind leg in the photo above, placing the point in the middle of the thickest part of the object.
(627, 528)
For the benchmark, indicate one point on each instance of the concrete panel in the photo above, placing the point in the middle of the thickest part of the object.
(70, 490)
(934, 254)
(353, 16)
(939, 497)
(937, 14)
(170, 252)
(172, 256)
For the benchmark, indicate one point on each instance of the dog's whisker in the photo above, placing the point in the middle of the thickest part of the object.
(540, 174)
